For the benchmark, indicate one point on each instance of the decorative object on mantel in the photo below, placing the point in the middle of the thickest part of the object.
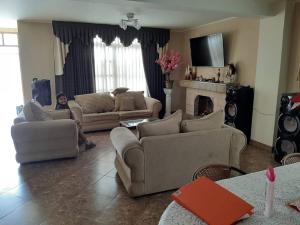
(191, 73)
(130, 21)
(187, 73)
(169, 62)
(230, 76)
(218, 75)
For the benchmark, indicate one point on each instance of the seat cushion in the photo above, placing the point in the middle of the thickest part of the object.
(95, 103)
(107, 116)
(124, 115)
(214, 120)
(33, 111)
(169, 125)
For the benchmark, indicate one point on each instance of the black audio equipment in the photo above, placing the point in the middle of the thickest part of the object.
(41, 91)
(288, 135)
(239, 107)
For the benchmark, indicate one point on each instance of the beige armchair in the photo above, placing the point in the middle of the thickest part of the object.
(159, 163)
(44, 140)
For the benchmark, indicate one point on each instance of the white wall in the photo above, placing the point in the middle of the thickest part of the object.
(270, 76)
(294, 57)
(240, 44)
(36, 55)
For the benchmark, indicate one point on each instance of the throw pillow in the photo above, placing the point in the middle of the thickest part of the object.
(105, 103)
(127, 104)
(212, 121)
(95, 103)
(139, 99)
(119, 90)
(88, 103)
(33, 111)
(169, 125)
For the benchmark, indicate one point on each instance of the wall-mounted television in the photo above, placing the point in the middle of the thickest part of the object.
(207, 51)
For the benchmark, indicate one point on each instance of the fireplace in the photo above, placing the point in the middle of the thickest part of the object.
(209, 96)
(203, 105)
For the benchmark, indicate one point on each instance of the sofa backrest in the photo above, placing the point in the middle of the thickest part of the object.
(95, 102)
(179, 155)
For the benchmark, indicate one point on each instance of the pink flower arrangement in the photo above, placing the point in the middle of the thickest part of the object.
(169, 61)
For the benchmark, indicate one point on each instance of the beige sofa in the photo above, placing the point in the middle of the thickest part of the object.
(96, 111)
(159, 163)
(45, 139)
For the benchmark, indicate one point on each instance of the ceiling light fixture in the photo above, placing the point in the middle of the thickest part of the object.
(130, 21)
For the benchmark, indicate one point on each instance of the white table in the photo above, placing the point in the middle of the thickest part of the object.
(251, 187)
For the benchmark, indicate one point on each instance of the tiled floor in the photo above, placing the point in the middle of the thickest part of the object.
(85, 190)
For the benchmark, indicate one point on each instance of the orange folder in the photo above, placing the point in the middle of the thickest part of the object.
(212, 203)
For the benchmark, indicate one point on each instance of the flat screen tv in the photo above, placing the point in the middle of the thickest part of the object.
(207, 51)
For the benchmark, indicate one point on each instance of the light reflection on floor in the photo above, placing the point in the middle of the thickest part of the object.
(8, 165)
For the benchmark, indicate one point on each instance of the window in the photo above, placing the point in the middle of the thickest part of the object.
(11, 94)
(119, 66)
(8, 39)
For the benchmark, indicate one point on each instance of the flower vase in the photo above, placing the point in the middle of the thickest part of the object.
(168, 81)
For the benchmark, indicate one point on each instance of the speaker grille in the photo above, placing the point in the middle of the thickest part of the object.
(288, 124)
(285, 146)
(231, 110)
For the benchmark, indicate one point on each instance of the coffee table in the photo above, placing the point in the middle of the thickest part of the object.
(134, 123)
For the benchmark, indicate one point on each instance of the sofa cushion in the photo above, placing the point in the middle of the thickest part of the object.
(127, 104)
(169, 125)
(139, 99)
(212, 121)
(124, 115)
(107, 116)
(20, 117)
(119, 90)
(95, 103)
(33, 111)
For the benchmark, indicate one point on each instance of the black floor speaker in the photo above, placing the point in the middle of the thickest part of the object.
(288, 135)
(239, 107)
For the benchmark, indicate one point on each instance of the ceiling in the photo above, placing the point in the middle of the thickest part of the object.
(151, 13)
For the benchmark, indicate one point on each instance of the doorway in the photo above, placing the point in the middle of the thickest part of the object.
(11, 94)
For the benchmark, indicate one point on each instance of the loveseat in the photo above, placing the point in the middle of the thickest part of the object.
(40, 135)
(102, 111)
(170, 150)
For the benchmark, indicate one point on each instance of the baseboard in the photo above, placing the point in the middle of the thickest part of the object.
(260, 145)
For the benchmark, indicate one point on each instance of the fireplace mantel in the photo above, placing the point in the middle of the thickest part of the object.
(207, 86)
(216, 91)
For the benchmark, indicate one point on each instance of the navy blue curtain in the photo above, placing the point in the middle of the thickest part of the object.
(79, 67)
(154, 76)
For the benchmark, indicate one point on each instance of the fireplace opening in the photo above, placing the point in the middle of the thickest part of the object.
(203, 105)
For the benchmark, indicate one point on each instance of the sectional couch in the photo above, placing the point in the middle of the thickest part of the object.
(167, 152)
(102, 111)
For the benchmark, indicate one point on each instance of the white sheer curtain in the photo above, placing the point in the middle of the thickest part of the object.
(119, 66)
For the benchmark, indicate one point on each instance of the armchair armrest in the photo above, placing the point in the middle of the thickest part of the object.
(130, 150)
(76, 110)
(237, 145)
(45, 130)
(154, 105)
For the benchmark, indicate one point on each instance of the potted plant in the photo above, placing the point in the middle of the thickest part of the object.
(169, 62)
